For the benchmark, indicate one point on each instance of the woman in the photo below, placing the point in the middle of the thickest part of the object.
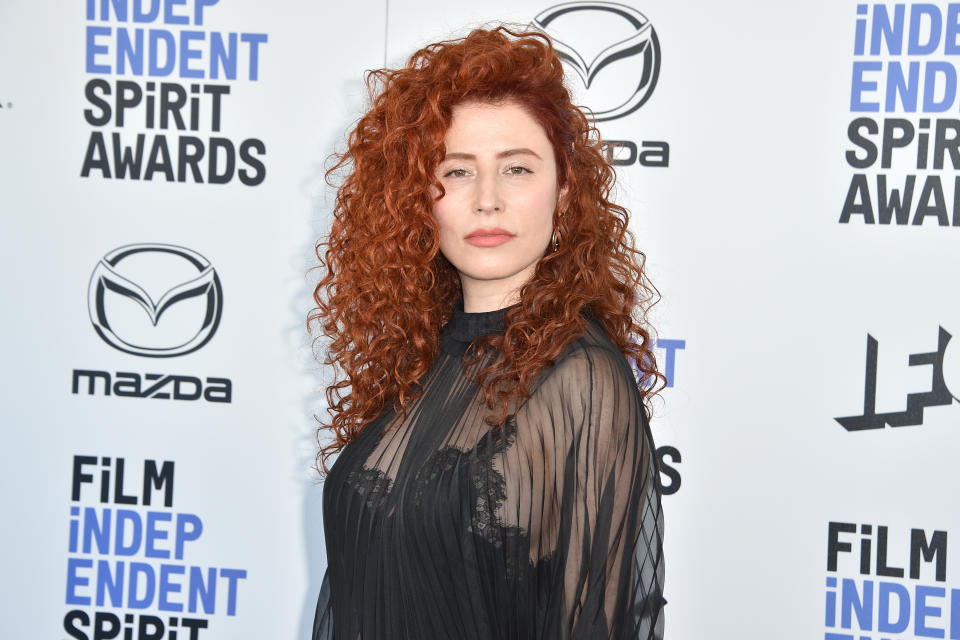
(496, 476)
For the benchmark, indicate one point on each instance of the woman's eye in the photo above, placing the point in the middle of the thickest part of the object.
(456, 173)
(517, 171)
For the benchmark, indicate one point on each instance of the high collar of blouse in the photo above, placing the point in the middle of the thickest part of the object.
(464, 327)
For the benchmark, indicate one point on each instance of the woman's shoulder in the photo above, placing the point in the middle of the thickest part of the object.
(589, 360)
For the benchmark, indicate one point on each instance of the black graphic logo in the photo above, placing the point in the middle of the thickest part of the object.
(633, 37)
(126, 316)
(939, 394)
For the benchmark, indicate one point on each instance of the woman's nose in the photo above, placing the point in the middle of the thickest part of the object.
(488, 199)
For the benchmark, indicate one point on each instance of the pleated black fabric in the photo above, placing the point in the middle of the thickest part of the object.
(440, 527)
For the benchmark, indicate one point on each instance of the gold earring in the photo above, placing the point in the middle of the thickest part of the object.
(556, 243)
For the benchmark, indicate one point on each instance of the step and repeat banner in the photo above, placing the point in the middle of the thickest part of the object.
(791, 173)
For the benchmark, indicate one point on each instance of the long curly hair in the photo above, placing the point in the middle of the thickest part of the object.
(388, 290)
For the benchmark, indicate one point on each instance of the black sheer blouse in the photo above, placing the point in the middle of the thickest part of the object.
(439, 527)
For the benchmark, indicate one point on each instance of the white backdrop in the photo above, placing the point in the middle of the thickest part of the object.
(773, 291)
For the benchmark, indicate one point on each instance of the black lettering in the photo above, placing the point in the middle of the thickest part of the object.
(882, 568)
(92, 377)
(216, 145)
(105, 626)
(943, 145)
(153, 479)
(834, 546)
(126, 159)
(118, 496)
(159, 160)
(655, 154)
(127, 384)
(216, 91)
(932, 190)
(190, 154)
(194, 624)
(956, 201)
(96, 156)
(851, 206)
(79, 477)
(74, 619)
(151, 392)
(897, 133)
(91, 91)
(218, 390)
(129, 95)
(894, 204)
(937, 547)
(611, 147)
(666, 470)
(150, 628)
(260, 174)
(172, 106)
(179, 393)
(869, 148)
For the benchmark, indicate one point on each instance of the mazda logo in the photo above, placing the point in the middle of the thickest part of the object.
(155, 300)
(623, 33)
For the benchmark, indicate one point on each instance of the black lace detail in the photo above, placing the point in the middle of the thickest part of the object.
(440, 462)
(371, 483)
(490, 486)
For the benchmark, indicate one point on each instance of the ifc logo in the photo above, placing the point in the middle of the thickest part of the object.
(135, 286)
(595, 37)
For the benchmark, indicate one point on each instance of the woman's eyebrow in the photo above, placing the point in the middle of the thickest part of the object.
(502, 154)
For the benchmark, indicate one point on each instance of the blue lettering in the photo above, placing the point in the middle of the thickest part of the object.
(885, 31)
(255, 40)
(207, 593)
(169, 50)
(154, 534)
(223, 57)
(125, 516)
(852, 604)
(831, 605)
(74, 529)
(923, 610)
(93, 49)
(955, 614)
(185, 533)
(884, 624)
(232, 575)
(167, 587)
(951, 46)
(119, 9)
(131, 52)
(861, 30)
(93, 529)
(671, 347)
(899, 86)
(139, 15)
(138, 569)
(859, 86)
(917, 11)
(198, 7)
(109, 583)
(187, 54)
(74, 580)
(934, 68)
(169, 17)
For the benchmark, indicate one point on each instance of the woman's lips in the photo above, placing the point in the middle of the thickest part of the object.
(488, 237)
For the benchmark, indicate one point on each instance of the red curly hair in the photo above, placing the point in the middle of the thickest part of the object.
(388, 290)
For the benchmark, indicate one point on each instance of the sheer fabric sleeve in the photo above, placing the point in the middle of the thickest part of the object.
(323, 618)
(606, 569)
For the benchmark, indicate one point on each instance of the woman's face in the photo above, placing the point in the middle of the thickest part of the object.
(496, 217)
